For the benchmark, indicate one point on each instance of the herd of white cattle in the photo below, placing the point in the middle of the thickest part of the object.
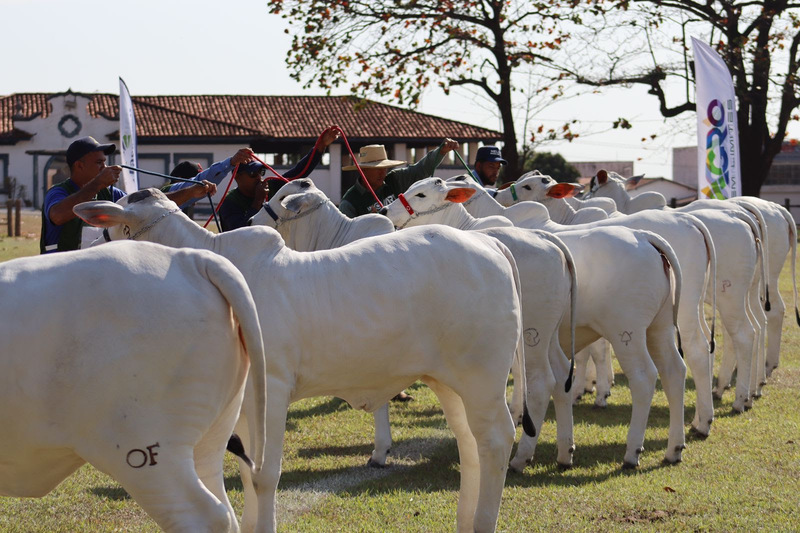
(142, 359)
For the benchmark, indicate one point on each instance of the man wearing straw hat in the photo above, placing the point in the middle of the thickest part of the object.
(89, 179)
(385, 178)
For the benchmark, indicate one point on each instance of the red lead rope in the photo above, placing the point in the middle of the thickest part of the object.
(355, 161)
(316, 149)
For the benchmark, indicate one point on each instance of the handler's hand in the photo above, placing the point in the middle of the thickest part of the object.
(242, 157)
(449, 146)
(107, 176)
(328, 136)
(202, 189)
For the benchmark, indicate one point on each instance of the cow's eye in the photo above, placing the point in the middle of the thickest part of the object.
(420, 195)
(527, 187)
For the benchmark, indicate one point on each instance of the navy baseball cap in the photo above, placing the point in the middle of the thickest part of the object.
(253, 167)
(86, 145)
(489, 153)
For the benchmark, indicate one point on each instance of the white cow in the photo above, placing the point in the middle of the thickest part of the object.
(304, 215)
(133, 358)
(736, 245)
(734, 277)
(693, 245)
(780, 241)
(641, 332)
(364, 321)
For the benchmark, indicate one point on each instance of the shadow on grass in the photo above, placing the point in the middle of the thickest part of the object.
(110, 493)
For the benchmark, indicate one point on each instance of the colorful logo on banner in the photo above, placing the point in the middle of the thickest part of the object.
(720, 150)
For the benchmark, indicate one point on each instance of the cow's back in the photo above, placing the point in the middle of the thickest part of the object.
(394, 304)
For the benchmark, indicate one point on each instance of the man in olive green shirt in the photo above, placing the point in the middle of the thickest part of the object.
(386, 179)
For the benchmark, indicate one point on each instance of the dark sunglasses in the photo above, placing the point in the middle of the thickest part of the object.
(259, 173)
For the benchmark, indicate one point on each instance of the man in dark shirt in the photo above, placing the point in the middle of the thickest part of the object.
(487, 165)
(252, 189)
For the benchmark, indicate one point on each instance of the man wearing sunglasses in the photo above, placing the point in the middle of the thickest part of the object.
(252, 189)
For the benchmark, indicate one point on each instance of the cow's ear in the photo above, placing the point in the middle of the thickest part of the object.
(602, 177)
(577, 188)
(561, 190)
(296, 202)
(100, 213)
(459, 195)
(633, 181)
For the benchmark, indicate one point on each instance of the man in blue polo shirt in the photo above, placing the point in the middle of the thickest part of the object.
(487, 165)
(90, 179)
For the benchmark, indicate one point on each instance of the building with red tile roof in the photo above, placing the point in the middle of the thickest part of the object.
(36, 128)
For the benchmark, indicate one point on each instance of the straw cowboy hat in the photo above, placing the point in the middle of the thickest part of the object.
(374, 156)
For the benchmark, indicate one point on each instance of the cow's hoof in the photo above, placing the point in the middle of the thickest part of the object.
(602, 405)
(564, 466)
(402, 397)
(697, 433)
(375, 464)
(517, 466)
(667, 461)
(629, 466)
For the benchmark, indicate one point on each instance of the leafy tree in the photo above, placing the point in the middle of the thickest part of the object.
(396, 49)
(553, 165)
(626, 42)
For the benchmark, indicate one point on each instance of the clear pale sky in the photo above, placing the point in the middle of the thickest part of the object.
(237, 47)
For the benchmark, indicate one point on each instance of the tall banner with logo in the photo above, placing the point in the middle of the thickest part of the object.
(719, 170)
(127, 139)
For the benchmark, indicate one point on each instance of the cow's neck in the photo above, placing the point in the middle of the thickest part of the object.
(560, 211)
(483, 205)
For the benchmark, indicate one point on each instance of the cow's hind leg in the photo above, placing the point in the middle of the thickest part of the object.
(672, 370)
(171, 492)
(634, 359)
(209, 454)
(541, 385)
(383, 437)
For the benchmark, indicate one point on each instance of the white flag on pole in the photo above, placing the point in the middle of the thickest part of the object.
(127, 138)
(718, 167)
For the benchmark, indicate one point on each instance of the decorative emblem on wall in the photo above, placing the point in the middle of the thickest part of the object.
(69, 126)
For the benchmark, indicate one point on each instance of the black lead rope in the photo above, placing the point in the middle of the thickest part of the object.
(160, 175)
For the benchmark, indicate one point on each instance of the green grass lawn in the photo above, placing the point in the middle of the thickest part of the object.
(744, 477)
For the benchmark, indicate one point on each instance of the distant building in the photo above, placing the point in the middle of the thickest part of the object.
(676, 194)
(37, 128)
(590, 168)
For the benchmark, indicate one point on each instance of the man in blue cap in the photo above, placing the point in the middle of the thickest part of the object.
(487, 165)
(89, 179)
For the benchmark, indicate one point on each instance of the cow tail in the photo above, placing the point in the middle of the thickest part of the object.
(793, 250)
(761, 250)
(573, 298)
(668, 254)
(235, 290)
(520, 394)
(764, 234)
(712, 272)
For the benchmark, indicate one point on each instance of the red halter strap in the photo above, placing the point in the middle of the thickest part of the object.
(405, 203)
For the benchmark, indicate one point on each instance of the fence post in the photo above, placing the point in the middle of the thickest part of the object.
(8, 218)
(787, 204)
(18, 219)
(673, 202)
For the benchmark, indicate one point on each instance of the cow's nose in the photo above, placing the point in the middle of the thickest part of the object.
(383, 210)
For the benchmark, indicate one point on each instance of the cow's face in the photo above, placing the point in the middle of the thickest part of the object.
(609, 184)
(536, 187)
(131, 217)
(291, 200)
(423, 198)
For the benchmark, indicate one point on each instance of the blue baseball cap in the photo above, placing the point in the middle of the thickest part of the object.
(489, 153)
(253, 167)
(86, 145)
